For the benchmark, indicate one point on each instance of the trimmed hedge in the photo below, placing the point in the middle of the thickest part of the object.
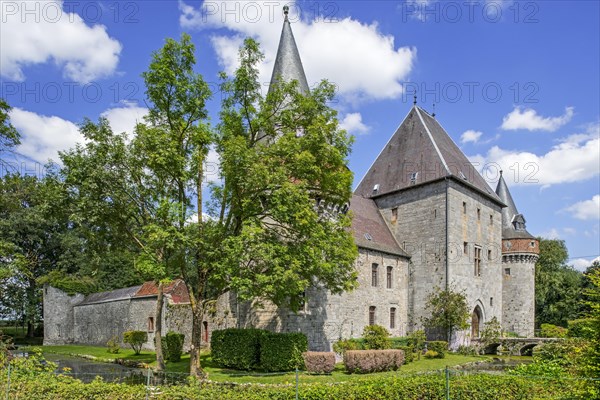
(236, 348)
(365, 361)
(172, 346)
(319, 362)
(438, 346)
(282, 351)
(409, 354)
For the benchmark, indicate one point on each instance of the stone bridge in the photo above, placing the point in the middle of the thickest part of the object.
(514, 346)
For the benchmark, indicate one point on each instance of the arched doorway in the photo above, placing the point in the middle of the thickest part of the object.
(475, 320)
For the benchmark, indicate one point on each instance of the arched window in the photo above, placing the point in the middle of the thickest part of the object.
(393, 318)
(389, 277)
(372, 315)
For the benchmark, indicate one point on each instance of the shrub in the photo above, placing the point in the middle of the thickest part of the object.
(566, 353)
(553, 331)
(341, 346)
(282, 351)
(432, 354)
(467, 350)
(438, 346)
(172, 346)
(236, 348)
(365, 361)
(582, 328)
(136, 339)
(399, 342)
(376, 337)
(319, 362)
(542, 368)
(409, 354)
(113, 345)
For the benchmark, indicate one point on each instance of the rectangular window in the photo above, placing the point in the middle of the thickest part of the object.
(491, 219)
(466, 248)
(150, 324)
(303, 302)
(374, 275)
(393, 318)
(372, 315)
(478, 214)
(489, 255)
(506, 271)
(389, 277)
(394, 215)
(464, 208)
(491, 301)
(477, 257)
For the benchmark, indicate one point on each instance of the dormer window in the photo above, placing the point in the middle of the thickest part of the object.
(413, 178)
(462, 175)
(376, 188)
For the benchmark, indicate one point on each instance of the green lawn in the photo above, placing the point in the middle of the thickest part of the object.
(225, 375)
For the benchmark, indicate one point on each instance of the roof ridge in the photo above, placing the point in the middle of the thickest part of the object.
(435, 146)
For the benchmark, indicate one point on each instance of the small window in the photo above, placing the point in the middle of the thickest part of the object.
(507, 271)
(394, 215)
(368, 236)
(478, 214)
(303, 302)
(393, 318)
(491, 219)
(374, 275)
(464, 208)
(150, 324)
(491, 301)
(372, 315)
(532, 244)
(434, 213)
(389, 277)
(477, 263)
(413, 178)
(462, 175)
(376, 188)
(489, 255)
(465, 248)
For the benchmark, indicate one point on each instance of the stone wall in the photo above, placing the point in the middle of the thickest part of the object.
(518, 308)
(95, 324)
(58, 316)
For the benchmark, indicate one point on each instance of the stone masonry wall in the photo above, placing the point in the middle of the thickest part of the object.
(95, 324)
(518, 308)
(58, 316)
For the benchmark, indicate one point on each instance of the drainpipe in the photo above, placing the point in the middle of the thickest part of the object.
(447, 236)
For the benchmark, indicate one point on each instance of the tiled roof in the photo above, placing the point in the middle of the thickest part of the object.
(420, 151)
(369, 228)
(176, 290)
(113, 295)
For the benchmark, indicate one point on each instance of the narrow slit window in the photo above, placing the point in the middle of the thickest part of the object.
(374, 270)
(389, 277)
(477, 260)
(372, 315)
(394, 215)
(393, 318)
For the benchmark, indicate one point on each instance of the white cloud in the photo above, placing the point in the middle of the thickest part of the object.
(353, 124)
(360, 60)
(124, 119)
(581, 264)
(551, 234)
(41, 31)
(587, 209)
(43, 136)
(574, 159)
(530, 120)
(470, 136)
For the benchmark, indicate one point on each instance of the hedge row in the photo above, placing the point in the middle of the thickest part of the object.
(246, 349)
(432, 387)
(367, 361)
(172, 346)
(319, 362)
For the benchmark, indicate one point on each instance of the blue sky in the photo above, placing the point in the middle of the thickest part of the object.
(516, 83)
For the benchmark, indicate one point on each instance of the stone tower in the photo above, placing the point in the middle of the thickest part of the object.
(520, 251)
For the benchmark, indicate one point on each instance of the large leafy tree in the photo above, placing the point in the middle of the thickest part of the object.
(9, 136)
(557, 285)
(447, 311)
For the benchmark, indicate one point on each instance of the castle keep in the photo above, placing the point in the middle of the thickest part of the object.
(423, 218)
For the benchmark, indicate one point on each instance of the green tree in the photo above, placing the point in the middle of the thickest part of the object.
(448, 312)
(9, 136)
(592, 300)
(557, 285)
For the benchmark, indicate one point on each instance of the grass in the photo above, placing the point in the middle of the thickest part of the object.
(219, 374)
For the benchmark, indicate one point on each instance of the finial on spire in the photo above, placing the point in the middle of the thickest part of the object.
(415, 98)
(500, 172)
(433, 114)
(286, 11)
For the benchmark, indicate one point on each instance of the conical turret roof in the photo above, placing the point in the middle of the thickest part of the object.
(513, 223)
(288, 65)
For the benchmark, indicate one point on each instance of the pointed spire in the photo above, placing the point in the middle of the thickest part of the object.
(288, 65)
(513, 223)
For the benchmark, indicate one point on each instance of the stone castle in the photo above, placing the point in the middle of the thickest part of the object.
(423, 218)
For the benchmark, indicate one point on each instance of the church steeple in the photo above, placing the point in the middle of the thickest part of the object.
(513, 223)
(288, 65)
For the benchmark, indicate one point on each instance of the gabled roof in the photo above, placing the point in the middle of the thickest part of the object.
(288, 65)
(369, 228)
(513, 223)
(113, 295)
(420, 151)
(176, 291)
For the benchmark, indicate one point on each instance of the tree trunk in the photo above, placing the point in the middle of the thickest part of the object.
(197, 317)
(158, 329)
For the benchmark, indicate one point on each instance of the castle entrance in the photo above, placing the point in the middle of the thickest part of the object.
(475, 319)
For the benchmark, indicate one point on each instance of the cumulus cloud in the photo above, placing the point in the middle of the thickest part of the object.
(530, 120)
(581, 264)
(360, 60)
(470, 136)
(575, 158)
(42, 31)
(123, 119)
(353, 124)
(587, 209)
(43, 136)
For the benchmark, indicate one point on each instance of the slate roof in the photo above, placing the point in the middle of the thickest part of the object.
(510, 214)
(288, 65)
(176, 290)
(369, 228)
(113, 295)
(422, 149)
